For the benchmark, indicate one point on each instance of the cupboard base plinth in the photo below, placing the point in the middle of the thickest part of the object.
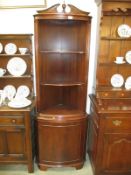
(45, 166)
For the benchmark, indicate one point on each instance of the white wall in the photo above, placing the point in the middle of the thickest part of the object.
(22, 21)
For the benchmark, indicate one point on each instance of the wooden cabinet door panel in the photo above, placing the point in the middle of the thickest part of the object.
(2, 143)
(60, 143)
(16, 142)
(116, 153)
(12, 142)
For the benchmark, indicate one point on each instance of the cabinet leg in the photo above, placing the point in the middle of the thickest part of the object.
(79, 167)
(30, 167)
(42, 167)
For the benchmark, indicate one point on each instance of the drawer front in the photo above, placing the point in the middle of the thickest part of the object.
(113, 94)
(11, 120)
(118, 124)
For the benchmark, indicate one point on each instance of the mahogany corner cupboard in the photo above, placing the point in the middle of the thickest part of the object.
(109, 143)
(62, 51)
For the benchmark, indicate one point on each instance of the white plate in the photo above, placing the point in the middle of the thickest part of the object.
(124, 31)
(128, 83)
(128, 57)
(9, 91)
(117, 80)
(119, 62)
(19, 103)
(1, 47)
(128, 86)
(16, 66)
(128, 80)
(23, 91)
(10, 48)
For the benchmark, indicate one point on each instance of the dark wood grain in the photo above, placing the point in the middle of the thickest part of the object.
(15, 137)
(62, 52)
(65, 140)
(109, 131)
(15, 124)
(109, 137)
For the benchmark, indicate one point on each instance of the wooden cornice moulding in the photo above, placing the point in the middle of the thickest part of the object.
(52, 13)
(53, 9)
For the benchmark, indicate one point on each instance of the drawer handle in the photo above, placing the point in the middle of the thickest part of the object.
(106, 94)
(13, 121)
(117, 122)
(48, 118)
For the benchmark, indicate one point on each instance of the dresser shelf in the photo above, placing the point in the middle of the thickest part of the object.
(115, 38)
(10, 76)
(15, 55)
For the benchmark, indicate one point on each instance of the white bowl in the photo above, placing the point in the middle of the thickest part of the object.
(23, 50)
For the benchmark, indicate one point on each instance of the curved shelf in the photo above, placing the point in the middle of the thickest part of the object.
(60, 111)
(62, 84)
(63, 52)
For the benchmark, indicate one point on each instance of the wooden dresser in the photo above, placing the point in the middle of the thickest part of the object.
(62, 51)
(16, 123)
(109, 140)
(16, 136)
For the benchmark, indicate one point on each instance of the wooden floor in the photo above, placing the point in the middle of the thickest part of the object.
(22, 170)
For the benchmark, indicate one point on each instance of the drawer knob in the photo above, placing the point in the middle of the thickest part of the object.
(117, 122)
(13, 121)
(122, 94)
(106, 94)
